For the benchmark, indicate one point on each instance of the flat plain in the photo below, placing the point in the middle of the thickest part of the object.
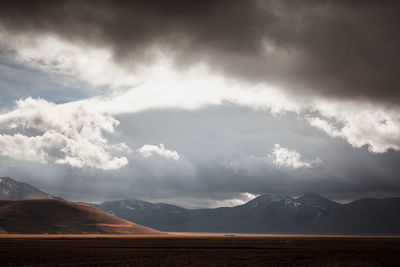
(177, 249)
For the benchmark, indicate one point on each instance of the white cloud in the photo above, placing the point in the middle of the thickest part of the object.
(325, 126)
(361, 124)
(63, 134)
(152, 150)
(29, 148)
(282, 158)
(285, 157)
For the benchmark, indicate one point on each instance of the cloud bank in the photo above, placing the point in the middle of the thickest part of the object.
(326, 48)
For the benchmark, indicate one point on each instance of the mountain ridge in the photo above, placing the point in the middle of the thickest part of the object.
(268, 213)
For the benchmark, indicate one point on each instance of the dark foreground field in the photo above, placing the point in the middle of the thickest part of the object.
(204, 250)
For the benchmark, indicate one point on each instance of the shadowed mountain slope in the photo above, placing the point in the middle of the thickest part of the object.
(363, 216)
(317, 201)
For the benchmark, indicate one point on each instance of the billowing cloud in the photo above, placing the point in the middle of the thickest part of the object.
(63, 134)
(369, 125)
(285, 157)
(160, 151)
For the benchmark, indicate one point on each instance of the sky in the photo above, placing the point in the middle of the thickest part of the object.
(201, 103)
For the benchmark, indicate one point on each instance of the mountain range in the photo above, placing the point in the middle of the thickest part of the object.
(308, 214)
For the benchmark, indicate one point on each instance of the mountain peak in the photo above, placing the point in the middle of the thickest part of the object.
(268, 199)
(8, 186)
(11, 189)
(7, 179)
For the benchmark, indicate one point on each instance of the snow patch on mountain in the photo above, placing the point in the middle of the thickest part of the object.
(7, 186)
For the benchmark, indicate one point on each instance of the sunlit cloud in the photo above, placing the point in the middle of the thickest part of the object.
(160, 151)
(289, 158)
(360, 124)
(62, 134)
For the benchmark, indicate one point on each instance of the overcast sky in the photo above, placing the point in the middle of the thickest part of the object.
(201, 103)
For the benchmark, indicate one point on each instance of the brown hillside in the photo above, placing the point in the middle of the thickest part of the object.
(51, 216)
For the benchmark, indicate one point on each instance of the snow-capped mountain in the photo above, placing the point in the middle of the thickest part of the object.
(11, 189)
(265, 213)
(269, 199)
(308, 214)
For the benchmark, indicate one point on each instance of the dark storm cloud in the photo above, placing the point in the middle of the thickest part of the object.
(333, 48)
